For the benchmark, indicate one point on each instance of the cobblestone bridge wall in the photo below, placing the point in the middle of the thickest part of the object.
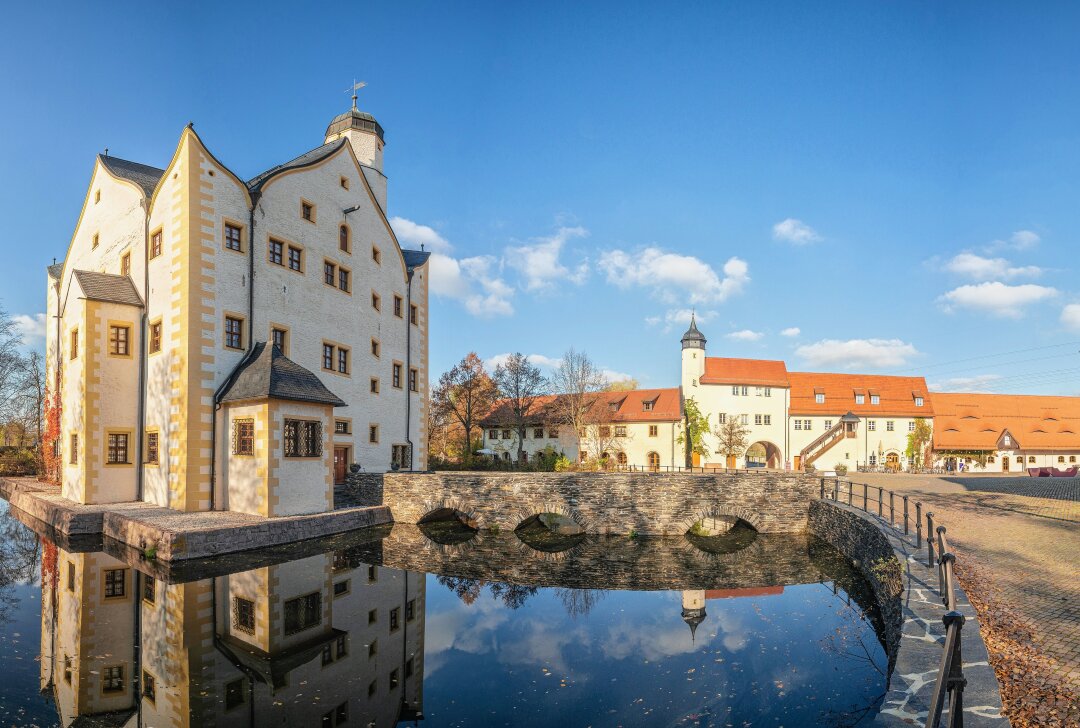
(601, 503)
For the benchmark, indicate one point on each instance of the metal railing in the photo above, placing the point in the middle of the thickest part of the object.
(707, 469)
(950, 680)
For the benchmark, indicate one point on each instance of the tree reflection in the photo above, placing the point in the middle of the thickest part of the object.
(19, 554)
(579, 602)
(468, 590)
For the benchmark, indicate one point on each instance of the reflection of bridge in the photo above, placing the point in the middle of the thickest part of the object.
(601, 503)
(612, 562)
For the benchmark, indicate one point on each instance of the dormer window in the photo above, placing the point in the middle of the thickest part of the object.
(646, 406)
(819, 398)
(860, 399)
(875, 399)
(1006, 440)
(918, 401)
(613, 407)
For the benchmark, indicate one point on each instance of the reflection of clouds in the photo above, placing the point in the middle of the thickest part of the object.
(661, 637)
(542, 644)
(468, 628)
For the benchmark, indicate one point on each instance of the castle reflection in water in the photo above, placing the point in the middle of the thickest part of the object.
(324, 640)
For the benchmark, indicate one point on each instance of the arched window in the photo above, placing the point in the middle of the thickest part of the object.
(654, 461)
(1061, 459)
(1031, 459)
(343, 238)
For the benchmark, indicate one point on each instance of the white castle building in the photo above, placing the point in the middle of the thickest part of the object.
(237, 345)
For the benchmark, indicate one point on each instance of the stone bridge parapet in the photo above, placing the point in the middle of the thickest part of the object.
(601, 503)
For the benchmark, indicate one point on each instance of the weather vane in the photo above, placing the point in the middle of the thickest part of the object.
(357, 85)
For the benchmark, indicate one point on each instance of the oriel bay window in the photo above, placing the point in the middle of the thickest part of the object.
(303, 613)
(303, 439)
(118, 449)
(119, 340)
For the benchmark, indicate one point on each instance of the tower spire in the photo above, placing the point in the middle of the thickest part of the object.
(356, 86)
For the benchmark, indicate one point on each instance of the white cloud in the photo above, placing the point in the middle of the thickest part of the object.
(1070, 316)
(538, 260)
(1019, 240)
(679, 317)
(745, 335)
(857, 353)
(613, 376)
(29, 326)
(473, 282)
(791, 331)
(996, 298)
(544, 362)
(795, 231)
(411, 233)
(985, 269)
(975, 383)
(675, 278)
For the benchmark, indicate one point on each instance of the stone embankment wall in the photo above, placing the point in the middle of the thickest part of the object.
(601, 503)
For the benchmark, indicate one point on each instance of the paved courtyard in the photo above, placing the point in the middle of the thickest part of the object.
(1022, 535)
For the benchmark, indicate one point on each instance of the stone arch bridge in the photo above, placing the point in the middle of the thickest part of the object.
(601, 503)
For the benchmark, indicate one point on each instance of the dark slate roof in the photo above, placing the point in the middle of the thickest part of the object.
(355, 119)
(108, 287)
(415, 258)
(55, 270)
(692, 334)
(144, 175)
(266, 373)
(305, 159)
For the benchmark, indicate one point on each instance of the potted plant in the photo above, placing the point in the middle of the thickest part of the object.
(841, 469)
(354, 468)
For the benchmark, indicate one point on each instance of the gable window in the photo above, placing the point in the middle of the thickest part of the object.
(307, 211)
(118, 448)
(303, 613)
(396, 378)
(343, 238)
(280, 339)
(303, 439)
(112, 679)
(152, 447)
(329, 273)
(819, 398)
(232, 238)
(244, 615)
(74, 343)
(234, 332)
(343, 279)
(654, 430)
(125, 264)
(155, 337)
(414, 380)
(277, 251)
(243, 437)
(398, 303)
(155, 245)
(376, 302)
(376, 255)
(115, 583)
(413, 317)
(296, 259)
(119, 340)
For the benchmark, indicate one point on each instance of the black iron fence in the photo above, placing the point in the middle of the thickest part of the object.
(950, 680)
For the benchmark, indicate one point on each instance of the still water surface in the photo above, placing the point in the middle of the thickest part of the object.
(403, 629)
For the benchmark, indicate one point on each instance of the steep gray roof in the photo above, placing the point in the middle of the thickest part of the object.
(108, 287)
(305, 159)
(144, 175)
(55, 270)
(414, 258)
(266, 373)
(355, 119)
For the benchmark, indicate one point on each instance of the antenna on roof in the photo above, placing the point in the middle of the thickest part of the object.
(357, 85)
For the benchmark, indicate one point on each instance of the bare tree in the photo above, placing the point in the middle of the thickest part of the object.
(519, 382)
(576, 381)
(12, 367)
(31, 397)
(465, 393)
(732, 436)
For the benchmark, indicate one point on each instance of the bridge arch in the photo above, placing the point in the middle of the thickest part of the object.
(764, 453)
(752, 519)
(443, 509)
(527, 513)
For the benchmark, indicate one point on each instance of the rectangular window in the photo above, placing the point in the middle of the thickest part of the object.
(125, 264)
(343, 239)
(414, 380)
(871, 425)
(399, 456)
(807, 425)
(244, 437)
(768, 391)
(538, 432)
(410, 610)
(152, 441)
(74, 449)
(819, 398)
(280, 338)
(374, 385)
(112, 679)
(745, 391)
(860, 399)
(395, 619)
(155, 245)
(646, 406)
(744, 419)
(493, 434)
(875, 399)
(376, 302)
(722, 418)
(341, 427)
(327, 655)
(118, 448)
(328, 357)
(341, 647)
(155, 337)
(889, 426)
(277, 252)
(149, 589)
(307, 211)
(734, 390)
(342, 360)
(329, 273)
(303, 613)
(605, 431)
(244, 615)
(372, 573)
(232, 238)
(918, 401)
(757, 391)
(376, 255)
(74, 343)
(506, 434)
(553, 433)
(394, 679)
(620, 430)
(119, 340)
(234, 332)
(235, 695)
(798, 425)
(115, 583)
(303, 439)
(757, 419)
(911, 426)
(654, 430)
(343, 279)
(768, 419)
(373, 434)
(396, 376)
(413, 314)
(148, 686)
(71, 576)
(341, 588)
(375, 348)
(828, 424)
(398, 306)
(296, 259)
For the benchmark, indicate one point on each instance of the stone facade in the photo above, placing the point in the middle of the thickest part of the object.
(601, 503)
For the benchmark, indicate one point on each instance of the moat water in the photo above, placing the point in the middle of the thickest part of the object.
(437, 626)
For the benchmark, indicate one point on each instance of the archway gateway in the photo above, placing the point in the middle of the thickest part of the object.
(764, 454)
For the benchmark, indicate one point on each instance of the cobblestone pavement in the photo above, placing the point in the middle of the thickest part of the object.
(1026, 533)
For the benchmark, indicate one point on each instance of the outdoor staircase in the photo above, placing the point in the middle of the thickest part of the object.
(820, 446)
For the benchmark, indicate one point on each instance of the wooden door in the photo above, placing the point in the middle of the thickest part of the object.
(892, 461)
(798, 462)
(695, 459)
(1004, 463)
(730, 464)
(341, 462)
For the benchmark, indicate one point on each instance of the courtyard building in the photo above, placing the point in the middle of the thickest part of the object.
(222, 344)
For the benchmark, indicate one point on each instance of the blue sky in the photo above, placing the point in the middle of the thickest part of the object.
(895, 181)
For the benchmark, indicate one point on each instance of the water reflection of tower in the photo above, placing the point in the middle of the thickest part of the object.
(693, 609)
(317, 641)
